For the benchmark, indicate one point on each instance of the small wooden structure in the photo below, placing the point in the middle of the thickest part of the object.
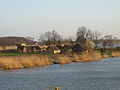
(53, 88)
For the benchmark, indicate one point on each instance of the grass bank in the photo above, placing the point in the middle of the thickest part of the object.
(37, 60)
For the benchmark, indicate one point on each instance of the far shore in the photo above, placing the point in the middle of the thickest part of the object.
(36, 60)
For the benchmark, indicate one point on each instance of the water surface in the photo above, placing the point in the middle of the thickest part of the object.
(94, 75)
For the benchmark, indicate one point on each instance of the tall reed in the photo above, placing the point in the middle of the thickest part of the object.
(15, 62)
(115, 54)
(64, 59)
(85, 56)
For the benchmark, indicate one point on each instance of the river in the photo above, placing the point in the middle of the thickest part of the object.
(94, 75)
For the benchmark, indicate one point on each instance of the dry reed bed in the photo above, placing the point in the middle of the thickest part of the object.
(64, 59)
(25, 61)
(115, 54)
(87, 56)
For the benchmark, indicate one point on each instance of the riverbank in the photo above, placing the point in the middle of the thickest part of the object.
(27, 61)
(23, 61)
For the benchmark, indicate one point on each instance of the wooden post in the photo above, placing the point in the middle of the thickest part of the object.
(57, 88)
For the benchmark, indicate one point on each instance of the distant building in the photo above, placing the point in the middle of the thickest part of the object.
(54, 49)
(28, 48)
(37, 48)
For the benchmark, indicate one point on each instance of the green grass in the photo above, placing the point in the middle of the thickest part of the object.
(12, 54)
(17, 54)
(106, 52)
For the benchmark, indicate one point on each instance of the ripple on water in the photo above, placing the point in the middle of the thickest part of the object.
(95, 75)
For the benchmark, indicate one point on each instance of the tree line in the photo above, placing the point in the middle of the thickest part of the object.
(83, 36)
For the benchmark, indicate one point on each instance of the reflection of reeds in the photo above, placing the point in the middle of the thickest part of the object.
(14, 62)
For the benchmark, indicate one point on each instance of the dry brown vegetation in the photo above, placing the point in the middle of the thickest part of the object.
(87, 56)
(25, 61)
(64, 59)
(115, 54)
(15, 62)
(106, 56)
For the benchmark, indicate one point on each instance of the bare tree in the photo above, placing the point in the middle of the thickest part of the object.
(51, 37)
(45, 38)
(89, 34)
(83, 36)
(69, 40)
(108, 41)
(96, 36)
(55, 37)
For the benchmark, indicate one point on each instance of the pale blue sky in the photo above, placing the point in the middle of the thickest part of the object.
(33, 17)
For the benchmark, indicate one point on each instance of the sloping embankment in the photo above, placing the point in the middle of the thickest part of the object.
(26, 61)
